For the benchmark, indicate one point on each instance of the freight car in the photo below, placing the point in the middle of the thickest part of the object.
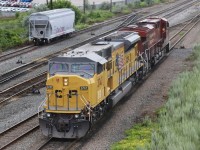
(86, 82)
(47, 25)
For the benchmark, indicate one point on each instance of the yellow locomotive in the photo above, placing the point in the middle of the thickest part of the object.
(86, 82)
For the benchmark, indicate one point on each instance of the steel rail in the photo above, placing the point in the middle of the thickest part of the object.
(17, 52)
(44, 144)
(18, 137)
(3, 102)
(190, 23)
(20, 71)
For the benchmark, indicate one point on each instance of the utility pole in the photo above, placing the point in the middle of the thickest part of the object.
(84, 6)
(51, 4)
(126, 2)
(110, 5)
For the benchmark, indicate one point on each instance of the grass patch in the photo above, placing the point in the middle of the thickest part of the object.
(12, 32)
(194, 56)
(137, 137)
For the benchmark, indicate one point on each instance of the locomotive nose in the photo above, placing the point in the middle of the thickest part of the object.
(69, 93)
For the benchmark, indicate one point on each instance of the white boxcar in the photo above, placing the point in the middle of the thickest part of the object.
(46, 25)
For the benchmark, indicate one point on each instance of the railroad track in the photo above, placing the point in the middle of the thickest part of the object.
(18, 52)
(51, 141)
(39, 80)
(24, 128)
(16, 132)
(177, 37)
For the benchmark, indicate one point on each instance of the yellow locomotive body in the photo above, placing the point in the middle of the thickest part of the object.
(86, 82)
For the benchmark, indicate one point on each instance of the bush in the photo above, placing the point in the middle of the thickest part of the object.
(156, 1)
(121, 9)
(105, 6)
(81, 26)
(143, 4)
(9, 39)
(83, 19)
(40, 8)
(16, 14)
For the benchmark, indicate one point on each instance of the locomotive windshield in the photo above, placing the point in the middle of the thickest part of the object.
(84, 70)
(58, 67)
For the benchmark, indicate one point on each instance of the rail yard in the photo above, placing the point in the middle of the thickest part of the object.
(20, 129)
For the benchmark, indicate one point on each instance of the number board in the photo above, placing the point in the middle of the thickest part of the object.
(84, 88)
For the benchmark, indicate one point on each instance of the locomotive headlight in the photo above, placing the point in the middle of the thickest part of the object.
(48, 115)
(65, 81)
(76, 116)
(49, 87)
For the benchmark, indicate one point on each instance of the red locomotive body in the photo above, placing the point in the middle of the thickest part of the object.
(154, 35)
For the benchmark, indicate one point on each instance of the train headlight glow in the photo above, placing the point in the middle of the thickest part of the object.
(48, 115)
(76, 115)
(65, 81)
(49, 87)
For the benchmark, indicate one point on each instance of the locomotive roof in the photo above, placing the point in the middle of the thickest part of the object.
(90, 57)
(149, 20)
(144, 27)
(153, 20)
(100, 50)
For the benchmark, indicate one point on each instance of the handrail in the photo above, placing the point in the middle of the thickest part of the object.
(41, 104)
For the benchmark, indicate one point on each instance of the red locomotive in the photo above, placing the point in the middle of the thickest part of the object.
(154, 33)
